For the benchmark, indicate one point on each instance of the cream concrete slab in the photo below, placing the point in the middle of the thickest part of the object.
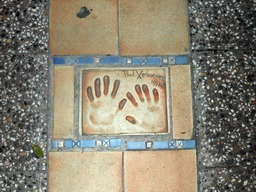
(124, 101)
(80, 27)
(153, 27)
(63, 102)
(161, 171)
(88, 171)
(181, 95)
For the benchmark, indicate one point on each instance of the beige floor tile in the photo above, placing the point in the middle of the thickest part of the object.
(63, 102)
(153, 27)
(97, 33)
(181, 96)
(161, 171)
(88, 171)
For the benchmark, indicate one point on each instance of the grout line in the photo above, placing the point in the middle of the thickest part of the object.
(123, 187)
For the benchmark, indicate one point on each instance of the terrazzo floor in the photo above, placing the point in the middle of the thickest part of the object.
(223, 64)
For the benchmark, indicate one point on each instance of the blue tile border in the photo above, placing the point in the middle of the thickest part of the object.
(87, 143)
(136, 61)
(58, 60)
(115, 143)
(189, 144)
(86, 60)
(136, 145)
(181, 60)
(54, 144)
(161, 145)
(110, 60)
(68, 143)
(122, 60)
(154, 60)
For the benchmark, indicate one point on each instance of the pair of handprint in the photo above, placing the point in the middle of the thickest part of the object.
(102, 112)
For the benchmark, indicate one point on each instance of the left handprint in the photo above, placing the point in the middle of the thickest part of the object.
(104, 107)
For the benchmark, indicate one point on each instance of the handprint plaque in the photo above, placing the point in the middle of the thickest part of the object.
(124, 101)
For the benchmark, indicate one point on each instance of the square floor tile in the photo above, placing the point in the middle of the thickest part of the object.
(63, 102)
(153, 27)
(181, 94)
(83, 27)
(161, 171)
(88, 171)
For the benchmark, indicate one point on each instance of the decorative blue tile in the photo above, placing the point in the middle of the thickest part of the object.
(58, 60)
(179, 144)
(136, 145)
(123, 60)
(106, 142)
(171, 60)
(115, 142)
(154, 60)
(172, 144)
(87, 143)
(143, 61)
(161, 145)
(68, 143)
(110, 60)
(189, 144)
(181, 60)
(54, 144)
(76, 143)
(87, 60)
(71, 60)
(136, 61)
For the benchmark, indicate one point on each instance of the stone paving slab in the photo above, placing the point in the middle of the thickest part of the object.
(88, 171)
(162, 171)
(83, 27)
(63, 102)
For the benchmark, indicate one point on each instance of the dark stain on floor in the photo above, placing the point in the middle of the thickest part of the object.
(84, 12)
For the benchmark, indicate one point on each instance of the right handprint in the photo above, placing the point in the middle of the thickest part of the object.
(147, 114)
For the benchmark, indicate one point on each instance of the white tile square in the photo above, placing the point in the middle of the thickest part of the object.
(98, 142)
(179, 144)
(149, 144)
(129, 61)
(97, 60)
(60, 144)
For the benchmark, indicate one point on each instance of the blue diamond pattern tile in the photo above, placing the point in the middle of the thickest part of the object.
(106, 143)
(136, 145)
(171, 60)
(110, 60)
(87, 143)
(179, 144)
(54, 144)
(181, 60)
(136, 61)
(71, 60)
(143, 61)
(191, 144)
(172, 144)
(68, 143)
(154, 60)
(161, 145)
(115, 142)
(76, 143)
(86, 60)
(58, 60)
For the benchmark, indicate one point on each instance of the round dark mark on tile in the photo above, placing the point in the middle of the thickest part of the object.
(84, 12)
